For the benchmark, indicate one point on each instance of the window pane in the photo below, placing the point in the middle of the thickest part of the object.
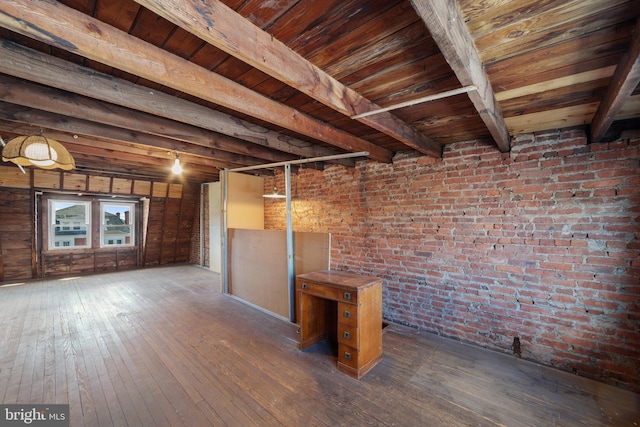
(70, 227)
(117, 224)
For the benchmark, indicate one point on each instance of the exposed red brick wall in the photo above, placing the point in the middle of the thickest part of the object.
(540, 244)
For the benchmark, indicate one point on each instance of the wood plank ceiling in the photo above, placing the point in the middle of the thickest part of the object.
(126, 84)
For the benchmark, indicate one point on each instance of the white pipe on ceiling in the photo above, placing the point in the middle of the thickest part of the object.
(418, 101)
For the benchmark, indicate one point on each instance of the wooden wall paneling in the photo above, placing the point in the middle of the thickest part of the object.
(16, 228)
(175, 191)
(126, 259)
(189, 210)
(83, 262)
(155, 224)
(152, 251)
(168, 235)
(177, 249)
(174, 231)
(170, 230)
(11, 176)
(56, 265)
(74, 182)
(116, 259)
(142, 188)
(89, 262)
(159, 189)
(163, 231)
(106, 261)
(47, 179)
(99, 184)
(121, 186)
(191, 222)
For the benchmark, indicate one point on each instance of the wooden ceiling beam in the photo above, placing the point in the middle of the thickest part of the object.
(63, 27)
(20, 92)
(44, 120)
(219, 25)
(119, 157)
(624, 81)
(28, 64)
(446, 25)
(94, 161)
(157, 160)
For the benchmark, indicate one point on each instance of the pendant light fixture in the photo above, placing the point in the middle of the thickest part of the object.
(274, 194)
(38, 151)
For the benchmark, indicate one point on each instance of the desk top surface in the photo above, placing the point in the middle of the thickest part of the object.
(343, 279)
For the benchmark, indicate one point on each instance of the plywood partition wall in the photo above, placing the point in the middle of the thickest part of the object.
(215, 226)
(258, 265)
(245, 204)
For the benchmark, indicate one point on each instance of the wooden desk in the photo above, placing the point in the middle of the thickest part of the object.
(357, 320)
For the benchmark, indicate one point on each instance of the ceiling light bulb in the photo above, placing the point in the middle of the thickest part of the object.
(176, 168)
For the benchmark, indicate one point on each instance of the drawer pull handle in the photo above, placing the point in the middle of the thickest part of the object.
(347, 295)
(347, 314)
(304, 286)
(347, 355)
(346, 335)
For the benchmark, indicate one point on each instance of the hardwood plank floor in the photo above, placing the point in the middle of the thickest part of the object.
(162, 347)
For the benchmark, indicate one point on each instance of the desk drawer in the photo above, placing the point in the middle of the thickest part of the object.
(348, 355)
(328, 292)
(348, 335)
(347, 314)
(318, 290)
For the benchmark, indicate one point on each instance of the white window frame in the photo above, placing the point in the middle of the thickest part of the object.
(132, 223)
(51, 241)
